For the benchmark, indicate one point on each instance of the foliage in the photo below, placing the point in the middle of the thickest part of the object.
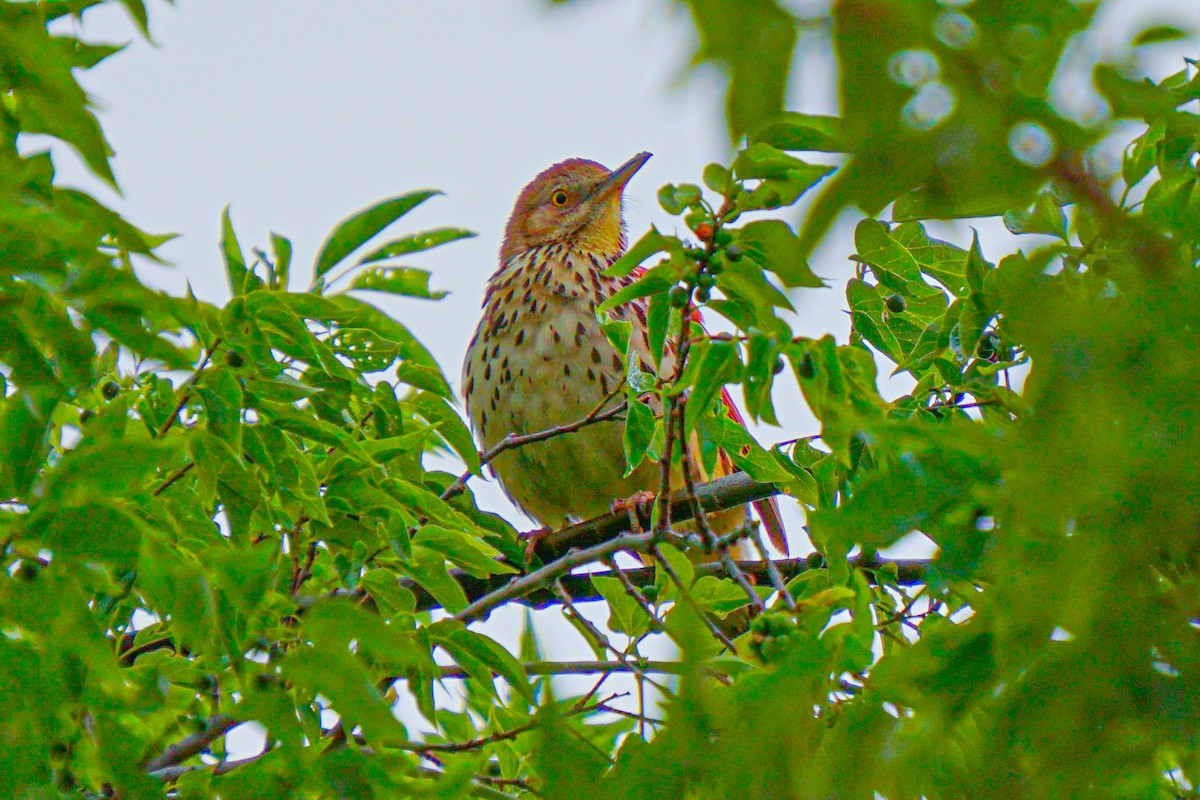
(215, 515)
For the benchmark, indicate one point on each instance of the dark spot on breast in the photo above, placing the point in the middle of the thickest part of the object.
(470, 386)
(603, 383)
(496, 350)
(507, 377)
(616, 361)
(555, 334)
(595, 355)
(504, 363)
(591, 375)
(546, 275)
(495, 396)
(487, 372)
(580, 279)
(567, 370)
(520, 336)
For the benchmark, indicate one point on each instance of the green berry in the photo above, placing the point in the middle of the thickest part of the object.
(896, 304)
(705, 281)
(703, 294)
(234, 359)
(733, 253)
(27, 572)
(779, 365)
(815, 560)
(110, 390)
(85, 415)
(678, 296)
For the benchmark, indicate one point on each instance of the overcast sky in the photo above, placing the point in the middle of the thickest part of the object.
(299, 112)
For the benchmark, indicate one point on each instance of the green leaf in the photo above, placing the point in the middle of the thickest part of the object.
(651, 242)
(337, 675)
(720, 364)
(625, 614)
(654, 280)
(775, 247)
(802, 132)
(1044, 216)
(282, 248)
(676, 199)
(416, 242)
(757, 73)
(95, 531)
(1159, 33)
(471, 648)
(231, 252)
(356, 230)
(403, 281)
(463, 549)
(639, 434)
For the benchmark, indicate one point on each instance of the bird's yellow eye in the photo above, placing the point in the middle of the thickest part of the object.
(559, 198)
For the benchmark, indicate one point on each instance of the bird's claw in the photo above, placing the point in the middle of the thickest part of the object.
(531, 541)
(637, 502)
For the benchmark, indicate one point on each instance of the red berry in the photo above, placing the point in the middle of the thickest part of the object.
(704, 231)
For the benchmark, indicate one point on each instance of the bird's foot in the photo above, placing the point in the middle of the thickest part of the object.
(634, 504)
(531, 540)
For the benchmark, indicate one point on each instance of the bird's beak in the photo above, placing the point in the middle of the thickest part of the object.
(615, 182)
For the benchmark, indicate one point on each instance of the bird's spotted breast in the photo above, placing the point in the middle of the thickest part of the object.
(539, 360)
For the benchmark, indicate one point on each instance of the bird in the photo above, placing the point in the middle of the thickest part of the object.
(538, 358)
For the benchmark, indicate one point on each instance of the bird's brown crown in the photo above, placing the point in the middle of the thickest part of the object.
(576, 202)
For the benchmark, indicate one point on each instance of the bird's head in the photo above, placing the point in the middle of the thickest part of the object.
(575, 201)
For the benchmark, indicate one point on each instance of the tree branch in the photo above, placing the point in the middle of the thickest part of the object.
(191, 745)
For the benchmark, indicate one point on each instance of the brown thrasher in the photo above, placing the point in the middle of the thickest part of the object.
(539, 359)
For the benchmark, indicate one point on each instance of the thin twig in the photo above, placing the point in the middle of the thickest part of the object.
(595, 634)
(179, 473)
(545, 576)
(191, 745)
(187, 388)
(634, 592)
(772, 570)
(717, 633)
(512, 441)
(501, 736)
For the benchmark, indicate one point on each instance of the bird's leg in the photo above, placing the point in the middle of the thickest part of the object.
(637, 502)
(532, 538)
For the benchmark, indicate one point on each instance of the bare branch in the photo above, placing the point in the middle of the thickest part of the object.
(194, 744)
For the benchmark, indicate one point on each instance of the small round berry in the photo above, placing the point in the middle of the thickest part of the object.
(733, 253)
(678, 296)
(704, 231)
(110, 390)
(703, 294)
(896, 304)
(779, 365)
(234, 359)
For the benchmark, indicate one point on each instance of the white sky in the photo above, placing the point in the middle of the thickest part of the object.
(300, 112)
